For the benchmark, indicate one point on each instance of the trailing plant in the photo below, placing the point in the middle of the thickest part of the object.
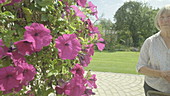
(45, 45)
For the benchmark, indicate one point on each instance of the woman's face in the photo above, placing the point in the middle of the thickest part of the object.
(164, 21)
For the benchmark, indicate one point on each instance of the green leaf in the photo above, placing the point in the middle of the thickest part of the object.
(72, 27)
(81, 38)
(45, 2)
(52, 72)
(1, 92)
(47, 92)
(6, 14)
(88, 75)
(28, 13)
(65, 70)
(60, 3)
(50, 17)
(5, 62)
(44, 17)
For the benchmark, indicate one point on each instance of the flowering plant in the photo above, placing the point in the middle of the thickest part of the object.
(45, 45)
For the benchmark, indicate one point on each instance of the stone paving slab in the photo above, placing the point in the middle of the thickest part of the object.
(117, 84)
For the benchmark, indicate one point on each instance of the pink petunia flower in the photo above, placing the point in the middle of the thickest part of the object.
(14, 90)
(8, 79)
(68, 46)
(91, 82)
(2, 1)
(93, 8)
(89, 49)
(25, 47)
(95, 30)
(81, 3)
(100, 44)
(3, 49)
(16, 57)
(27, 73)
(60, 89)
(76, 86)
(88, 92)
(78, 12)
(84, 59)
(67, 7)
(40, 34)
(77, 70)
(92, 28)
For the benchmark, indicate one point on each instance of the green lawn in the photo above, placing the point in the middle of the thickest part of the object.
(117, 62)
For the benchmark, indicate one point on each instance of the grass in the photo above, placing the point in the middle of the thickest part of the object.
(117, 62)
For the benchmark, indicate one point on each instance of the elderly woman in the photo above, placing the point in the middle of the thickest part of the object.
(154, 59)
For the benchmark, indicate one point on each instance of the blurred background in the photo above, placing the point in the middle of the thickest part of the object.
(124, 24)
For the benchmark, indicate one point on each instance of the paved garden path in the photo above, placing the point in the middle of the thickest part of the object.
(117, 84)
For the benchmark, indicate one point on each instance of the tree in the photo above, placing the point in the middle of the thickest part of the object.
(135, 21)
(107, 28)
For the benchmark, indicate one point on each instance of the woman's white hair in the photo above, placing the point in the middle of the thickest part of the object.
(164, 9)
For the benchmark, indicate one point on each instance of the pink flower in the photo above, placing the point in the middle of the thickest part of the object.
(2, 1)
(76, 86)
(81, 3)
(89, 49)
(100, 44)
(78, 12)
(40, 34)
(16, 57)
(61, 89)
(27, 73)
(95, 30)
(92, 28)
(8, 79)
(25, 47)
(77, 70)
(3, 49)
(68, 46)
(14, 90)
(67, 7)
(91, 82)
(84, 59)
(88, 92)
(93, 8)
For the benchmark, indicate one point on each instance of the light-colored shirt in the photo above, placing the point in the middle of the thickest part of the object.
(156, 55)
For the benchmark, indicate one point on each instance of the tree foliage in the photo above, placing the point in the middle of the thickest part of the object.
(108, 33)
(135, 21)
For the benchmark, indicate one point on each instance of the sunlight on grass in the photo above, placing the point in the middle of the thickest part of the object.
(117, 62)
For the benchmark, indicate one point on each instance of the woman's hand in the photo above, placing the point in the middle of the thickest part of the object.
(166, 75)
(155, 73)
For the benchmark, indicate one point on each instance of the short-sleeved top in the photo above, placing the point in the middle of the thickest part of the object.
(155, 54)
